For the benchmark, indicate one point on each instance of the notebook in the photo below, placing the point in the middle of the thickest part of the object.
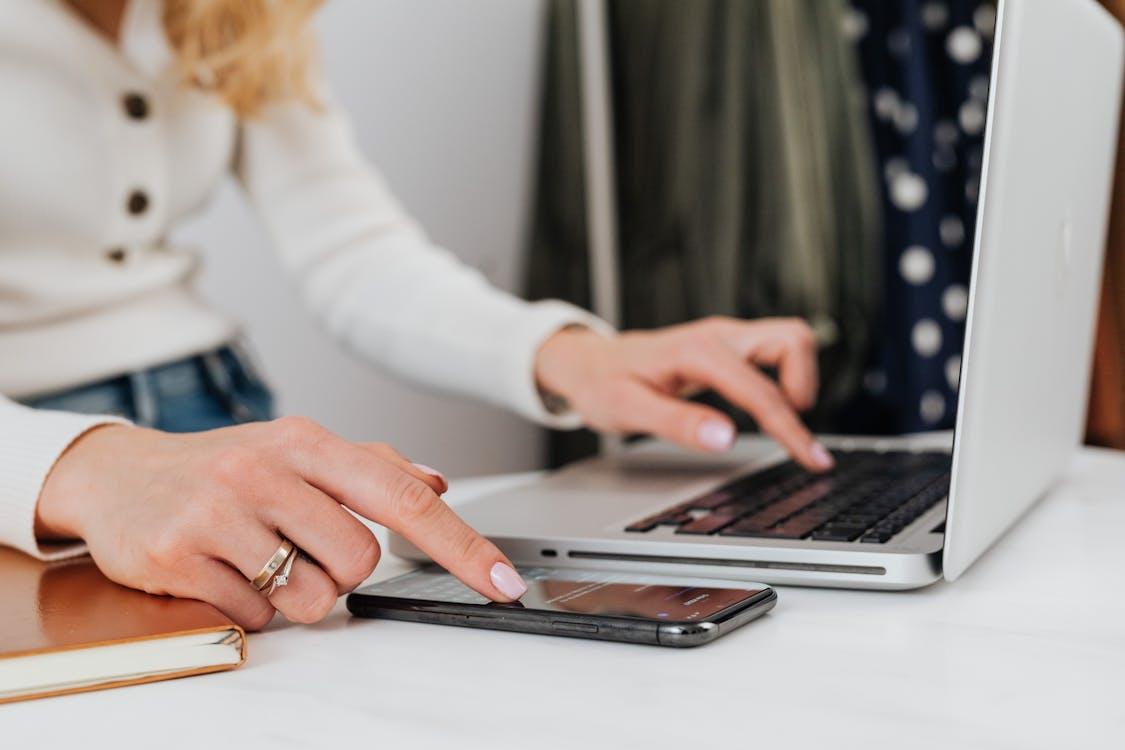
(66, 628)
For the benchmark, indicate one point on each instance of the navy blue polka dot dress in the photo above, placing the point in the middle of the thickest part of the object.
(926, 64)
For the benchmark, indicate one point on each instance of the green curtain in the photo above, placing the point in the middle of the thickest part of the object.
(744, 174)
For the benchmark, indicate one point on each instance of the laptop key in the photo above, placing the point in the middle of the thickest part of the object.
(792, 504)
(646, 524)
(672, 517)
(836, 534)
(650, 523)
(677, 519)
(746, 527)
(797, 527)
(709, 524)
(710, 501)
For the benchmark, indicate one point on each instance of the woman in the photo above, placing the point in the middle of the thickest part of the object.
(129, 115)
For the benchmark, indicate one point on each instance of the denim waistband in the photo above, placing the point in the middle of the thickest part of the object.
(223, 373)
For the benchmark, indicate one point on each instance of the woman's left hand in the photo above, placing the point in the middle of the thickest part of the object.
(635, 382)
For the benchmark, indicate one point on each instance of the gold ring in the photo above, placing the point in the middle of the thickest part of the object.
(265, 575)
(282, 576)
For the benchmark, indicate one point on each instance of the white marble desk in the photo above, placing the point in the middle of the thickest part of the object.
(1027, 650)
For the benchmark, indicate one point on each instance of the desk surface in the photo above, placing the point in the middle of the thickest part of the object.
(1026, 650)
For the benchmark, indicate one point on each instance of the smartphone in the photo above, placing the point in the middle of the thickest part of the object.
(578, 603)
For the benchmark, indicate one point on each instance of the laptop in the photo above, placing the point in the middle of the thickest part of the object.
(898, 512)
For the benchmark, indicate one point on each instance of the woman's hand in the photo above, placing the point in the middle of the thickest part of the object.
(633, 383)
(198, 515)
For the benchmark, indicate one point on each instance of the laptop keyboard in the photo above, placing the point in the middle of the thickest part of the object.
(870, 496)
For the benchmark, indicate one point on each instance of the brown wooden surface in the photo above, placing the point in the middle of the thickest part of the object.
(1106, 420)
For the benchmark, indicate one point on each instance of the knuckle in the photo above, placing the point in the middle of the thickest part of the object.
(369, 557)
(411, 500)
(797, 331)
(316, 605)
(716, 321)
(167, 547)
(297, 431)
(384, 449)
(801, 332)
(361, 564)
(258, 619)
(690, 349)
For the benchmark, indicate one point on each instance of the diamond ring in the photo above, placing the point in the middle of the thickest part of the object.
(276, 561)
(282, 577)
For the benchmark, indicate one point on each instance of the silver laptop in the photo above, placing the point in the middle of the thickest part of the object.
(900, 512)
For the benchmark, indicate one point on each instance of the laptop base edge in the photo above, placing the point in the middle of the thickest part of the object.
(874, 571)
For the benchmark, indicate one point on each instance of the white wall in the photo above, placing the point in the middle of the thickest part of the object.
(444, 98)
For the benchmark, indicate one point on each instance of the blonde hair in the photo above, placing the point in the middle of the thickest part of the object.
(248, 52)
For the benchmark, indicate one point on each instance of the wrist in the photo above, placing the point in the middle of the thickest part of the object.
(562, 359)
(71, 482)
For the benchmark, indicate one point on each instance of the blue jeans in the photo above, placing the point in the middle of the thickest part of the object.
(216, 389)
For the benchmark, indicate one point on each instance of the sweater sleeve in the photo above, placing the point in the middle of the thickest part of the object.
(377, 282)
(31, 440)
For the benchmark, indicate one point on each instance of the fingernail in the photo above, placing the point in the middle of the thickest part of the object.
(716, 435)
(507, 581)
(432, 472)
(821, 457)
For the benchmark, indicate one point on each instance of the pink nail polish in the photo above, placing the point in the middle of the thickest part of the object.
(507, 581)
(716, 435)
(432, 472)
(821, 457)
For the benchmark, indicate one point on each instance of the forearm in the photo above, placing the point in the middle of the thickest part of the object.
(418, 312)
(375, 279)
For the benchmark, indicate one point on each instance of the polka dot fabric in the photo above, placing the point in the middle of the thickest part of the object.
(926, 66)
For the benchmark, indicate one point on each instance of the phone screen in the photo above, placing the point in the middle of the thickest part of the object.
(579, 592)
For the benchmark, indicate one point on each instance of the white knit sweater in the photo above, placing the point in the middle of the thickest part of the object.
(102, 152)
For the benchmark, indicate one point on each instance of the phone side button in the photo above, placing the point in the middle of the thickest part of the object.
(574, 627)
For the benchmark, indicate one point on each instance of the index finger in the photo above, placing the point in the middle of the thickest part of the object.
(392, 497)
(745, 386)
(411, 508)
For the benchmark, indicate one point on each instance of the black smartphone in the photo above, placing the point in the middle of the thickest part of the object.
(577, 603)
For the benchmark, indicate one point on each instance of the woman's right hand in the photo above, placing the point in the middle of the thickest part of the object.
(198, 515)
